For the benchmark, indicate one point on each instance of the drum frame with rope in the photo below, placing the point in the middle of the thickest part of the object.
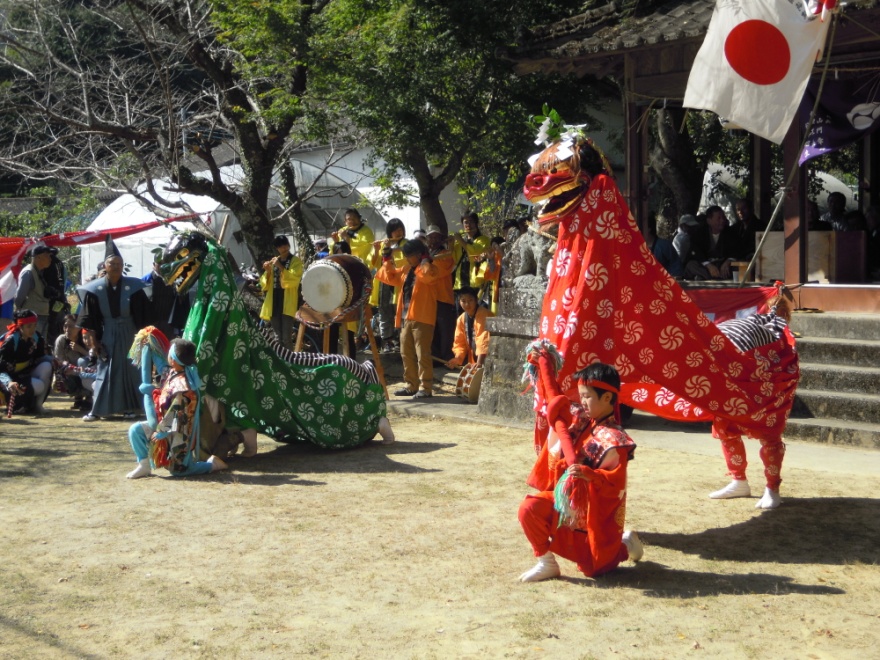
(469, 382)
(326, 302)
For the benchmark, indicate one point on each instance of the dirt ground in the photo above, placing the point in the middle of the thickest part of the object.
(411, 551)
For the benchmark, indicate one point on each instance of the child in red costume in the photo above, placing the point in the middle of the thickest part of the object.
(588, 448)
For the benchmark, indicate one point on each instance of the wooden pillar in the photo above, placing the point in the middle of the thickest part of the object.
(794, 210)
(762, 191)
(636, 189)
(870, 196)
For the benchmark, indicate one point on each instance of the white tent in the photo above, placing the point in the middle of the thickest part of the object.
(324, 208)
(720, 187)
(137, 250)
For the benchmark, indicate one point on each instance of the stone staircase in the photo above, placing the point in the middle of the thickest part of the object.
(838, 398)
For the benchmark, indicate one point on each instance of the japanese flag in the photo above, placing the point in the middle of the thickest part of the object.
(755, 62)
(8, 287)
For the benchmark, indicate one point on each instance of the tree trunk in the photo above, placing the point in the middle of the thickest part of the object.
(433, 210)
(431, 186)
(672, 160)
(297, 219)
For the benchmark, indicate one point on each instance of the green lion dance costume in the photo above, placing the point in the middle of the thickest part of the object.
(329, 400)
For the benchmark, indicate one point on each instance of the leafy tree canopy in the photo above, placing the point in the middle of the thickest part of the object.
(422, 79)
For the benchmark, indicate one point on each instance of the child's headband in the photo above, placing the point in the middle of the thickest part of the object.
(600, 384)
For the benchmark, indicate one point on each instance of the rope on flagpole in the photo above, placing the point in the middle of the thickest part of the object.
(793, 172)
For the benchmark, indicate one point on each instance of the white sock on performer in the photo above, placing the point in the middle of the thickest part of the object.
(770, 499)
(142, 470)
(736, 488)
(545, 569)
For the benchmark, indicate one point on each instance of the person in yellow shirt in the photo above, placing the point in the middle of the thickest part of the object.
(360, 240)
(358, 236)
(468, 248)
(280, 282)
(491, 270)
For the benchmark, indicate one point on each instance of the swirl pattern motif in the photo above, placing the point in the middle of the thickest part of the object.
(622, 308)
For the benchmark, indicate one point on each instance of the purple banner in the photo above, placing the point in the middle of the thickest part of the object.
(848, 110)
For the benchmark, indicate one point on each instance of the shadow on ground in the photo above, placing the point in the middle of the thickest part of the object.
(657, 581)
(43, 642)
(832, 530)
(304, 458)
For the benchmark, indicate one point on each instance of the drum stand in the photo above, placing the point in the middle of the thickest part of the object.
(354, 315)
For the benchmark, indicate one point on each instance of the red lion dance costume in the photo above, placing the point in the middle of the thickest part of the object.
(608, 300)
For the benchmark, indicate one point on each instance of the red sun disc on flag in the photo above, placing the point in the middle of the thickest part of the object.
(758, 51)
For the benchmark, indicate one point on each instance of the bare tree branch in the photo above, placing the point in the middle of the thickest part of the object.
(123, 93)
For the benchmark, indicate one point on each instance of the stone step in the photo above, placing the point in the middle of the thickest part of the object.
(846, 407)
(826, 350)
(839, 378)
(833, 432)
(837, 325)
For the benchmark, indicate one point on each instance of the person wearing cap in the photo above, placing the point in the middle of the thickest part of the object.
(321, 249)
(25, 369)
(444, 328)
(280, 283)
(114, 307)
(420, 235)
(32, 292)
(681, 241)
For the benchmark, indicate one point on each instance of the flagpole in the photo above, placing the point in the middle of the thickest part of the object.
(744, 278)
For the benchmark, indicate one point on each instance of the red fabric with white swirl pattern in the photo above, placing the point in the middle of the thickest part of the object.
(608, 300)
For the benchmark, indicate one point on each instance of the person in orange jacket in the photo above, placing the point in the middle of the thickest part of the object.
(471, 334)
(444, 328)
(416, 315)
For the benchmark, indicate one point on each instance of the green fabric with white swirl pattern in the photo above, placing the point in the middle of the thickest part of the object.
(326, 405)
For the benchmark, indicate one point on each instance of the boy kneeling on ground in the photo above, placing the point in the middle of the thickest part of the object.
(174, 443)
(584, 461)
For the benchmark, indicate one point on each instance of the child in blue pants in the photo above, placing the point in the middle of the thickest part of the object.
(174, 442)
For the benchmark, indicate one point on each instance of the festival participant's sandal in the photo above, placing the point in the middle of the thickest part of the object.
(736, 488)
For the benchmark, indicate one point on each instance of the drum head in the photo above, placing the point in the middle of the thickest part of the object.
(326, 287)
